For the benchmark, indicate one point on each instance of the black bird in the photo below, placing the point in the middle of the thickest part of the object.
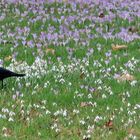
(4, 73)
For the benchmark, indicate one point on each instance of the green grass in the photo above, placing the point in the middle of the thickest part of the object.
(31, 122)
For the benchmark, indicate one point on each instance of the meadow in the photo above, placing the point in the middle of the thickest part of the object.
(82, 64)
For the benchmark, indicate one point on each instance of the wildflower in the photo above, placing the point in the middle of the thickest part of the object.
(10, 119)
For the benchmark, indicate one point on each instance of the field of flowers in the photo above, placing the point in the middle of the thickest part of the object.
(82, 65)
